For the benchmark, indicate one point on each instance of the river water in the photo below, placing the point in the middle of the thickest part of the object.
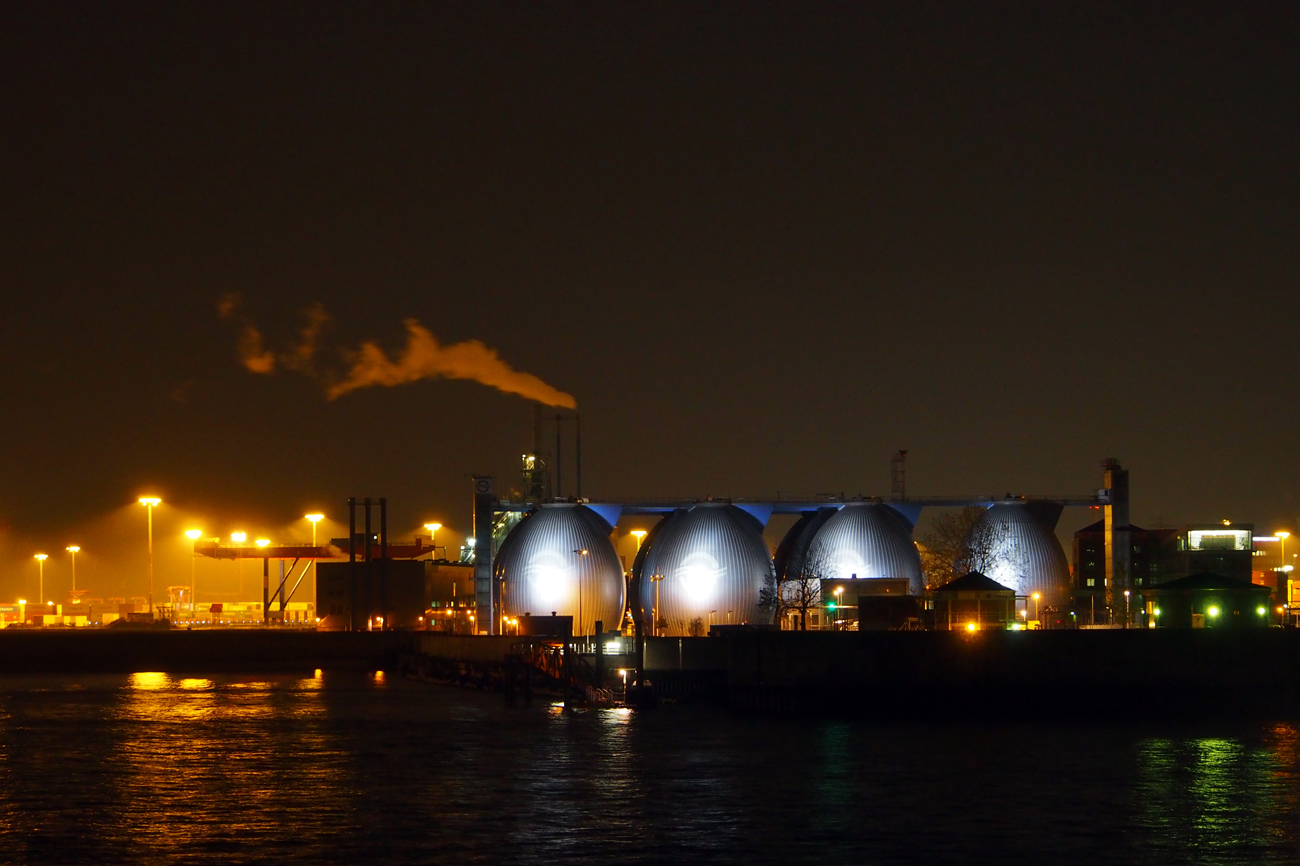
(335, 768)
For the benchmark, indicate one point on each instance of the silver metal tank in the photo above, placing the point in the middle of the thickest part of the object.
(708, 562)
(1025, 553)
(866, 540)
(542, 568)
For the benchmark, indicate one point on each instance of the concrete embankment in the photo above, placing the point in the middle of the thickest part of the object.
(110, 650)
(1048, 673)
(947, 674)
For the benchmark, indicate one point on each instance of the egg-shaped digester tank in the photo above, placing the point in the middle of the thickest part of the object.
(708, 562)
(560, 558)
(866, 540)
(1016, 545)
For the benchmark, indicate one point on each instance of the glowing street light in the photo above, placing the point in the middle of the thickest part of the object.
(640, 537)
(193, 535)
(582, 624)
(313, 519)
(433, 536)
(40, 558)
(73, 549)
(1036, 597)
(149, 503)
(1282, 536)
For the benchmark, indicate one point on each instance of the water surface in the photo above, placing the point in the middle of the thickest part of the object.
(153, 768)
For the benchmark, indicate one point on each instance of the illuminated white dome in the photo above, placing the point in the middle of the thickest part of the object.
(1025, 553)
(543, 568)
(708, 562)
(865, 540)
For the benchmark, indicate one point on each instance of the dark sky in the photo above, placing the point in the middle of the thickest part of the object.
(763, 245)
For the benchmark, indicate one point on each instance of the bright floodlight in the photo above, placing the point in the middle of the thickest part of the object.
(1213, 611)
(150, 501)
(314, 518)
(72, 548)
(1281, 533)
(262, 542)
(42, 556)
(433, 527)
(639, 533)
(193, 534)
(239, 537)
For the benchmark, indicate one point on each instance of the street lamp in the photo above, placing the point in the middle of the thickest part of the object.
(40, 558)
(839, 592)
(640, 537)
(149, 503)
(656, 579)
(581, 623)
(1126, 593)
(1036, 597)
(73, 549)
(193, 535)
(313, 519)
(433, 536)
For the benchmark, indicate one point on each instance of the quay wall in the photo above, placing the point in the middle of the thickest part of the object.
(1064, 673)
(112, 650)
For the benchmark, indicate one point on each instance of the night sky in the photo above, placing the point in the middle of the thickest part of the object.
(762, 245)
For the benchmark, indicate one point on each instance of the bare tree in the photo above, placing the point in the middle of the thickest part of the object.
(958, 543)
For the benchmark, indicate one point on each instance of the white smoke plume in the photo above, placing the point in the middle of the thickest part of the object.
(423, 358)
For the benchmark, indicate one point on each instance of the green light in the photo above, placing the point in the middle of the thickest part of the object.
(1213, 611)
(831, 605)
(1261, 610)
(1156, 612)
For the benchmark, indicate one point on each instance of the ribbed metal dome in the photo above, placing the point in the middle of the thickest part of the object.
(713, 562)
(1026, 554)
(867, 540)
(543, 571)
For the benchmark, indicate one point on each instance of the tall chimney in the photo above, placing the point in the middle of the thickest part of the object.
(1119, 544)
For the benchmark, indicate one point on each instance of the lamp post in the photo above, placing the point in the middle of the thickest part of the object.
(193, 535)
(239, 537)
(1126, 617)
(581, 623)
(640, 537)
(149, 502)
(839, 593)
(40, 558)
(313, 519)
(1036, 597)
(656, 579)
(433, 536)
(73, 549)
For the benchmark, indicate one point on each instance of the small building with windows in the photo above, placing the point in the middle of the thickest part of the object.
(1207, 600)
(973, 601)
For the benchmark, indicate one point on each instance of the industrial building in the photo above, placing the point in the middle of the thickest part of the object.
(1159, 558)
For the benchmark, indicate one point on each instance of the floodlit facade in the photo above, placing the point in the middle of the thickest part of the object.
(708, 564)
(560, 558)
(1024, 553)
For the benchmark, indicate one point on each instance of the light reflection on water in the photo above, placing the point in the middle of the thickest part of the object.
(350, 768)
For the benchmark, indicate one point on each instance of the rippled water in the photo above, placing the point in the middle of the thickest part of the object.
(351, 768)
